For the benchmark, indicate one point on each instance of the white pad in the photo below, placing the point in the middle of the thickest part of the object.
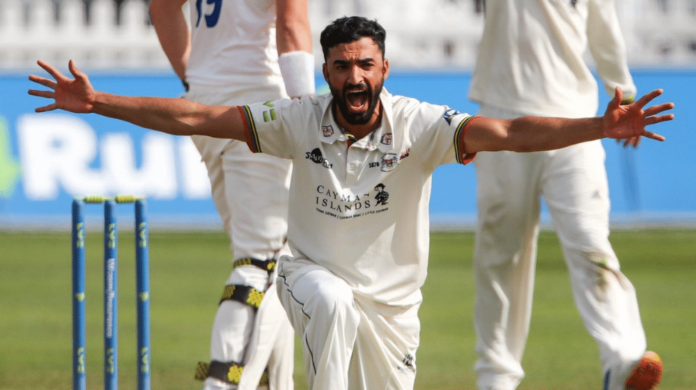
(272, 345)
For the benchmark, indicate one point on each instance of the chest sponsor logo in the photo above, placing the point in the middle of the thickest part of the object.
(382, 196)
(347, 206)
(316, 157)
(386, 139)
(328, 131)
(389, 162)
(449, 114)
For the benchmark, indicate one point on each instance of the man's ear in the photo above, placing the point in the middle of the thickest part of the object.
(385, 70)
(325, 71)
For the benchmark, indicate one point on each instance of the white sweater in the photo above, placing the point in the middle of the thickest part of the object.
(531, 56)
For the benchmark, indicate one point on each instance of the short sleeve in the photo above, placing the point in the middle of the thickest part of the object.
(276, 127)
(440, 138)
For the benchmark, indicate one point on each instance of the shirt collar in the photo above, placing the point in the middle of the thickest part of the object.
(382, 138)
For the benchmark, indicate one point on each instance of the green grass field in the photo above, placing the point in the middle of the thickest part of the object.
(189, 269)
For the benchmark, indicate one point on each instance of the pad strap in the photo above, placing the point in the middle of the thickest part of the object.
(227, 372)
(244, 294)
(266, 265)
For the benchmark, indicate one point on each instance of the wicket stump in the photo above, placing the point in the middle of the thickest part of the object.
(110, 291)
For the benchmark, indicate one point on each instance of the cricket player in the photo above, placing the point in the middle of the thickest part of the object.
(530, 62)
(236, 52)
(358, 217)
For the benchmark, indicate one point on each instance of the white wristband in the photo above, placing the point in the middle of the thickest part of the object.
(297, 68)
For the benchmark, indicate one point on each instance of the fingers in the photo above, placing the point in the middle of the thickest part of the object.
(616, 101)
(43, 94)
(651, 120)
(49, 107)
(645, 99)
(654, 136)
(657, 109)
(73, 69)
(51, 70)
(43, 81)
(633, 141)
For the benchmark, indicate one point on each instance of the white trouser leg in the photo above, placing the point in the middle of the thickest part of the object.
(235, 325)
(321, 309)
(258, 339)
(250, 193)
(282, 360)
(271, 344)
(504, 262)
(576, 191)
(384, 356)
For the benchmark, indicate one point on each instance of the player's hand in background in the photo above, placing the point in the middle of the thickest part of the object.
(633, 141)
(628, 122)
(74, 95)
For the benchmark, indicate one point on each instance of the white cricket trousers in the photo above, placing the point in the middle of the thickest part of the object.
(349, 342)
(574, 186)
(250, 192)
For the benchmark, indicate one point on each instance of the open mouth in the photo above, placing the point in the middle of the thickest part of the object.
(357, 99)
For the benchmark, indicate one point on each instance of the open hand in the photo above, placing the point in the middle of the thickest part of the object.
(628, 122)
(74, 95)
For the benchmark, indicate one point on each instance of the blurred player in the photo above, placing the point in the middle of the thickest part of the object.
(230, 56)
(530, 62)
(358, 223)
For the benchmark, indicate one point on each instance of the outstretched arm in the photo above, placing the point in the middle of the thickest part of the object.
(294, 41)
(171, 116)
(530, 134)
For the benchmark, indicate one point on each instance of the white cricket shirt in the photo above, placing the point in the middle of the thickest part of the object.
(233, 43)
(361, 212)
(531, 56)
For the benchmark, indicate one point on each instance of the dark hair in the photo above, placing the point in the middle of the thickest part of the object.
(351, 29)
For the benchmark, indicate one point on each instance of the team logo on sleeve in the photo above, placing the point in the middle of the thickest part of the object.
(270, 115)
(327, 130)
(449, 114)
(381, 196)
(316, 157)
(386, 139)
(389, 162)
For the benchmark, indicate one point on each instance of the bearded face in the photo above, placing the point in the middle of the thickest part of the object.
(357, 103)
(355, 73)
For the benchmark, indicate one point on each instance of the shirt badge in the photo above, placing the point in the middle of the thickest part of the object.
(328, 131)
(381, 196)
(449, 114)
(386, 139)
(389, 162)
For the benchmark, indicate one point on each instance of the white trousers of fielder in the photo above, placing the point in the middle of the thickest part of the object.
(250, 192)
(348, 342)
(574, 186)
